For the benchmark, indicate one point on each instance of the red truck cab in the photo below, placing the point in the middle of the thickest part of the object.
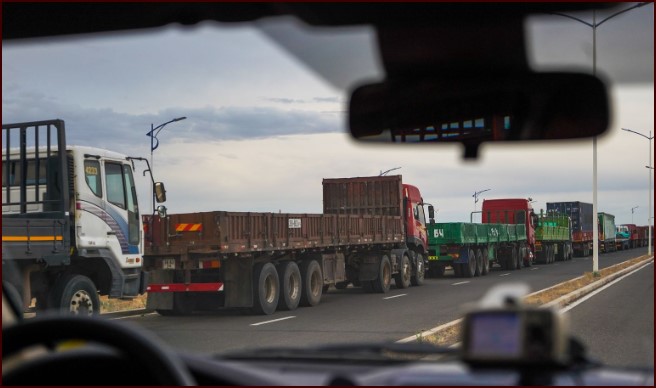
(511, 211)
(415, 217)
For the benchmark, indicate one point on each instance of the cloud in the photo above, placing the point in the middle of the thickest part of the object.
(106, 128)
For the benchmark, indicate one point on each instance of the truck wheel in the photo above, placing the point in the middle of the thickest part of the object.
(75, 295)
(479, 263)
(384, 280)
(312, 283)
(470, 267)
(290, 290)
(518, 257)
(266, 288)
(402, 279)
(486, 263)
(512, 259)
(420, 271)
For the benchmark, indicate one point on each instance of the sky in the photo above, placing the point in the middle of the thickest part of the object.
(264, 129)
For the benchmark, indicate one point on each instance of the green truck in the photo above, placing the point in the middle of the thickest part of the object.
(471, 248)
(553, 238)
(606, 227)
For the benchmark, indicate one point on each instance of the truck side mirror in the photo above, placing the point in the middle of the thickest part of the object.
(431, 211)
(160, 192)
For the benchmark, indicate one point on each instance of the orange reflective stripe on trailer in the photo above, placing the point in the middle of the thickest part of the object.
(189, 227)
(31, 238)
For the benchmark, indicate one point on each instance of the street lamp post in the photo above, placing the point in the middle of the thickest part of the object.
(154, 143)
(595, 229)
(650, 138)
(383, 173)
(476, 194)
(632, 210)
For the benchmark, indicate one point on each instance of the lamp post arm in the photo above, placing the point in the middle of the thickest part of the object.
(621, 12)
(638, 133)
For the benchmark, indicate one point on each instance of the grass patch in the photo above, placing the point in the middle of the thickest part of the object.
(451, 334)
(108, 305)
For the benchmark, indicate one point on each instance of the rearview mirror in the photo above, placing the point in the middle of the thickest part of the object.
(160, 192)
(475, 109)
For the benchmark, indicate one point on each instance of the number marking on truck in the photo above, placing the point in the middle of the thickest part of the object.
(294, 223)
(168, 264)
(437, 233)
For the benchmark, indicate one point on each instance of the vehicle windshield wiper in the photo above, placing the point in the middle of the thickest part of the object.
(350, 352)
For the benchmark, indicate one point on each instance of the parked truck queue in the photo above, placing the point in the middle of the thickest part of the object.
(72, 230)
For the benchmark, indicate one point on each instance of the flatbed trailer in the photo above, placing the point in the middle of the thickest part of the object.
(553, 238)
(371, 231)
(471, 249)
(582, 218)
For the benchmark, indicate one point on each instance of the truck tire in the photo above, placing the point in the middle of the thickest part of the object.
(469, 268)
(312, 283)
(402, 279)
(479, 263)
(383, 282)
(75, 295)
(290, 286)
(512, 259)
(266, 288)
(420, 271)
(486, 263)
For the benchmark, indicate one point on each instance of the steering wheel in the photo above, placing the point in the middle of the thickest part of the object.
(157, 362)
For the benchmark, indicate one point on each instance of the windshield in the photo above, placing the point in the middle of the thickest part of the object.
(262, 130)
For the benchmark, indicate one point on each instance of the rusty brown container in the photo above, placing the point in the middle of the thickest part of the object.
(220, 233)
(377, 195)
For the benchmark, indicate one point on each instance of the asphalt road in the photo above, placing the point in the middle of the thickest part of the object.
(350, 315)
(617, 323)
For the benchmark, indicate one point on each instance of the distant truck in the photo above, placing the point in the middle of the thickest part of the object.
(548, 236)
(643, 236)
(71, 221)
(580, 214)
(511, 236)
(471, 249)
(607, 232)
(623, 237)
(553, 238)
(372, 230)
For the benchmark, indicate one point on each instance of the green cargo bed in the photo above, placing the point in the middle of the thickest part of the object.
(462, 233)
